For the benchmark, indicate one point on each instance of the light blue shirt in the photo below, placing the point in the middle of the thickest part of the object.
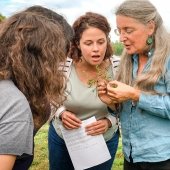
(146, 125)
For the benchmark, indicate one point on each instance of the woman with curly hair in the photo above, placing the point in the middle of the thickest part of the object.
(24, 161)
(90, 55)
(31, 48)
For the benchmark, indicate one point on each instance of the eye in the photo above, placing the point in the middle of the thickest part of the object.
(101, 42)
(124, 31)
(129, 30)
(88, 43)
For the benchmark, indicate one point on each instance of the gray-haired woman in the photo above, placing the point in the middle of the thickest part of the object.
(143, 86)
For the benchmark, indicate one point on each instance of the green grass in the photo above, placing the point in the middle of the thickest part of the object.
(118, 162)
(41, 152)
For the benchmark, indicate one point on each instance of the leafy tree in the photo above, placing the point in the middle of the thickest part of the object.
(117, 48)
(2, 17)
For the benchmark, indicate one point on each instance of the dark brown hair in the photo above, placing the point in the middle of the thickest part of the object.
(90, 19)
(56, 18)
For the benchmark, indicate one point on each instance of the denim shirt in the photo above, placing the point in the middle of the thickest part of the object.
(146, 125)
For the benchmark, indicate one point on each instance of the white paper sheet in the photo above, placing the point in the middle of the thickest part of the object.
(85, 151)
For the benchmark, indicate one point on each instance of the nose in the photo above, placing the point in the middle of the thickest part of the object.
(122, 37)
(95, 47)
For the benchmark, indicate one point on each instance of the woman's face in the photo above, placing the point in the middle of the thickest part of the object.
(133, 34)
(93, 44)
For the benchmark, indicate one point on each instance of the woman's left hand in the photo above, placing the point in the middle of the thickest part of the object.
(98, 127)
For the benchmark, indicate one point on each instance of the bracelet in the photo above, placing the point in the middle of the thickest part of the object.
(59, 111)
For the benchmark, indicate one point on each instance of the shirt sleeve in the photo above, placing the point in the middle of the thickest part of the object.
(112, 117)
(158, 105)
(16, 122)
(16, 138)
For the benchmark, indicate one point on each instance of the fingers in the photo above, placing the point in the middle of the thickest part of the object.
(102, 82)
(112, 89)
(101, 87)
(97, 128)
(112, 96)
(107, 92)
(70, 121)
(111, 86)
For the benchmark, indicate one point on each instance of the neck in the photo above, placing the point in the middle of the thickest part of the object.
(89, 74)
(91, 68)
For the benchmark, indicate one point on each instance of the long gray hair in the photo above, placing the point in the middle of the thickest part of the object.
(144, 11)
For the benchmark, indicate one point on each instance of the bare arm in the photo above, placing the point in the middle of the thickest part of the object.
(7, 162)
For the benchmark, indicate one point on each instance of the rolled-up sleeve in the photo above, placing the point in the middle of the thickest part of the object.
(159, 104)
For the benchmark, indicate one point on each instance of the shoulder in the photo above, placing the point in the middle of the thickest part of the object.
(167, 67)
(13, 103)
(8, 86)
(9, 92)
(115, 61)
(16, 122)
(168, 63)
(66, 66)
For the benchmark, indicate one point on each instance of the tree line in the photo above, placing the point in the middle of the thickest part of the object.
(2, 17)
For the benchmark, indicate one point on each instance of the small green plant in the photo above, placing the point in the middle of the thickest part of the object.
(101, 74)
(114, 85)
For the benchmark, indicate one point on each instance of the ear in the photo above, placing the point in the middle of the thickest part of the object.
(151, 27)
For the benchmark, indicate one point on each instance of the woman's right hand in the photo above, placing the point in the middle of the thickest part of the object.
(120, 92)
(70, 121)
(102, 93)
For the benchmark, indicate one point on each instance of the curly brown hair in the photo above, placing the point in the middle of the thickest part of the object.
(31, 49)
(90, 19)
(56, 18)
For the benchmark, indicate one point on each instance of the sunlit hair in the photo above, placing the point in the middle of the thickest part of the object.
(143, 11)
(90, 19)
(56, 18)
(31, 48)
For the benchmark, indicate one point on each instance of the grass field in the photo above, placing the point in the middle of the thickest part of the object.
(41, 153)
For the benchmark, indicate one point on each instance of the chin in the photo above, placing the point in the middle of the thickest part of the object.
(96, 62)
(130, 52)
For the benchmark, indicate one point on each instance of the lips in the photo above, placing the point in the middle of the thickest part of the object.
(127, 46)
(96, 58)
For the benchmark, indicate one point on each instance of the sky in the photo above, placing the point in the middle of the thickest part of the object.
(72, 9)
